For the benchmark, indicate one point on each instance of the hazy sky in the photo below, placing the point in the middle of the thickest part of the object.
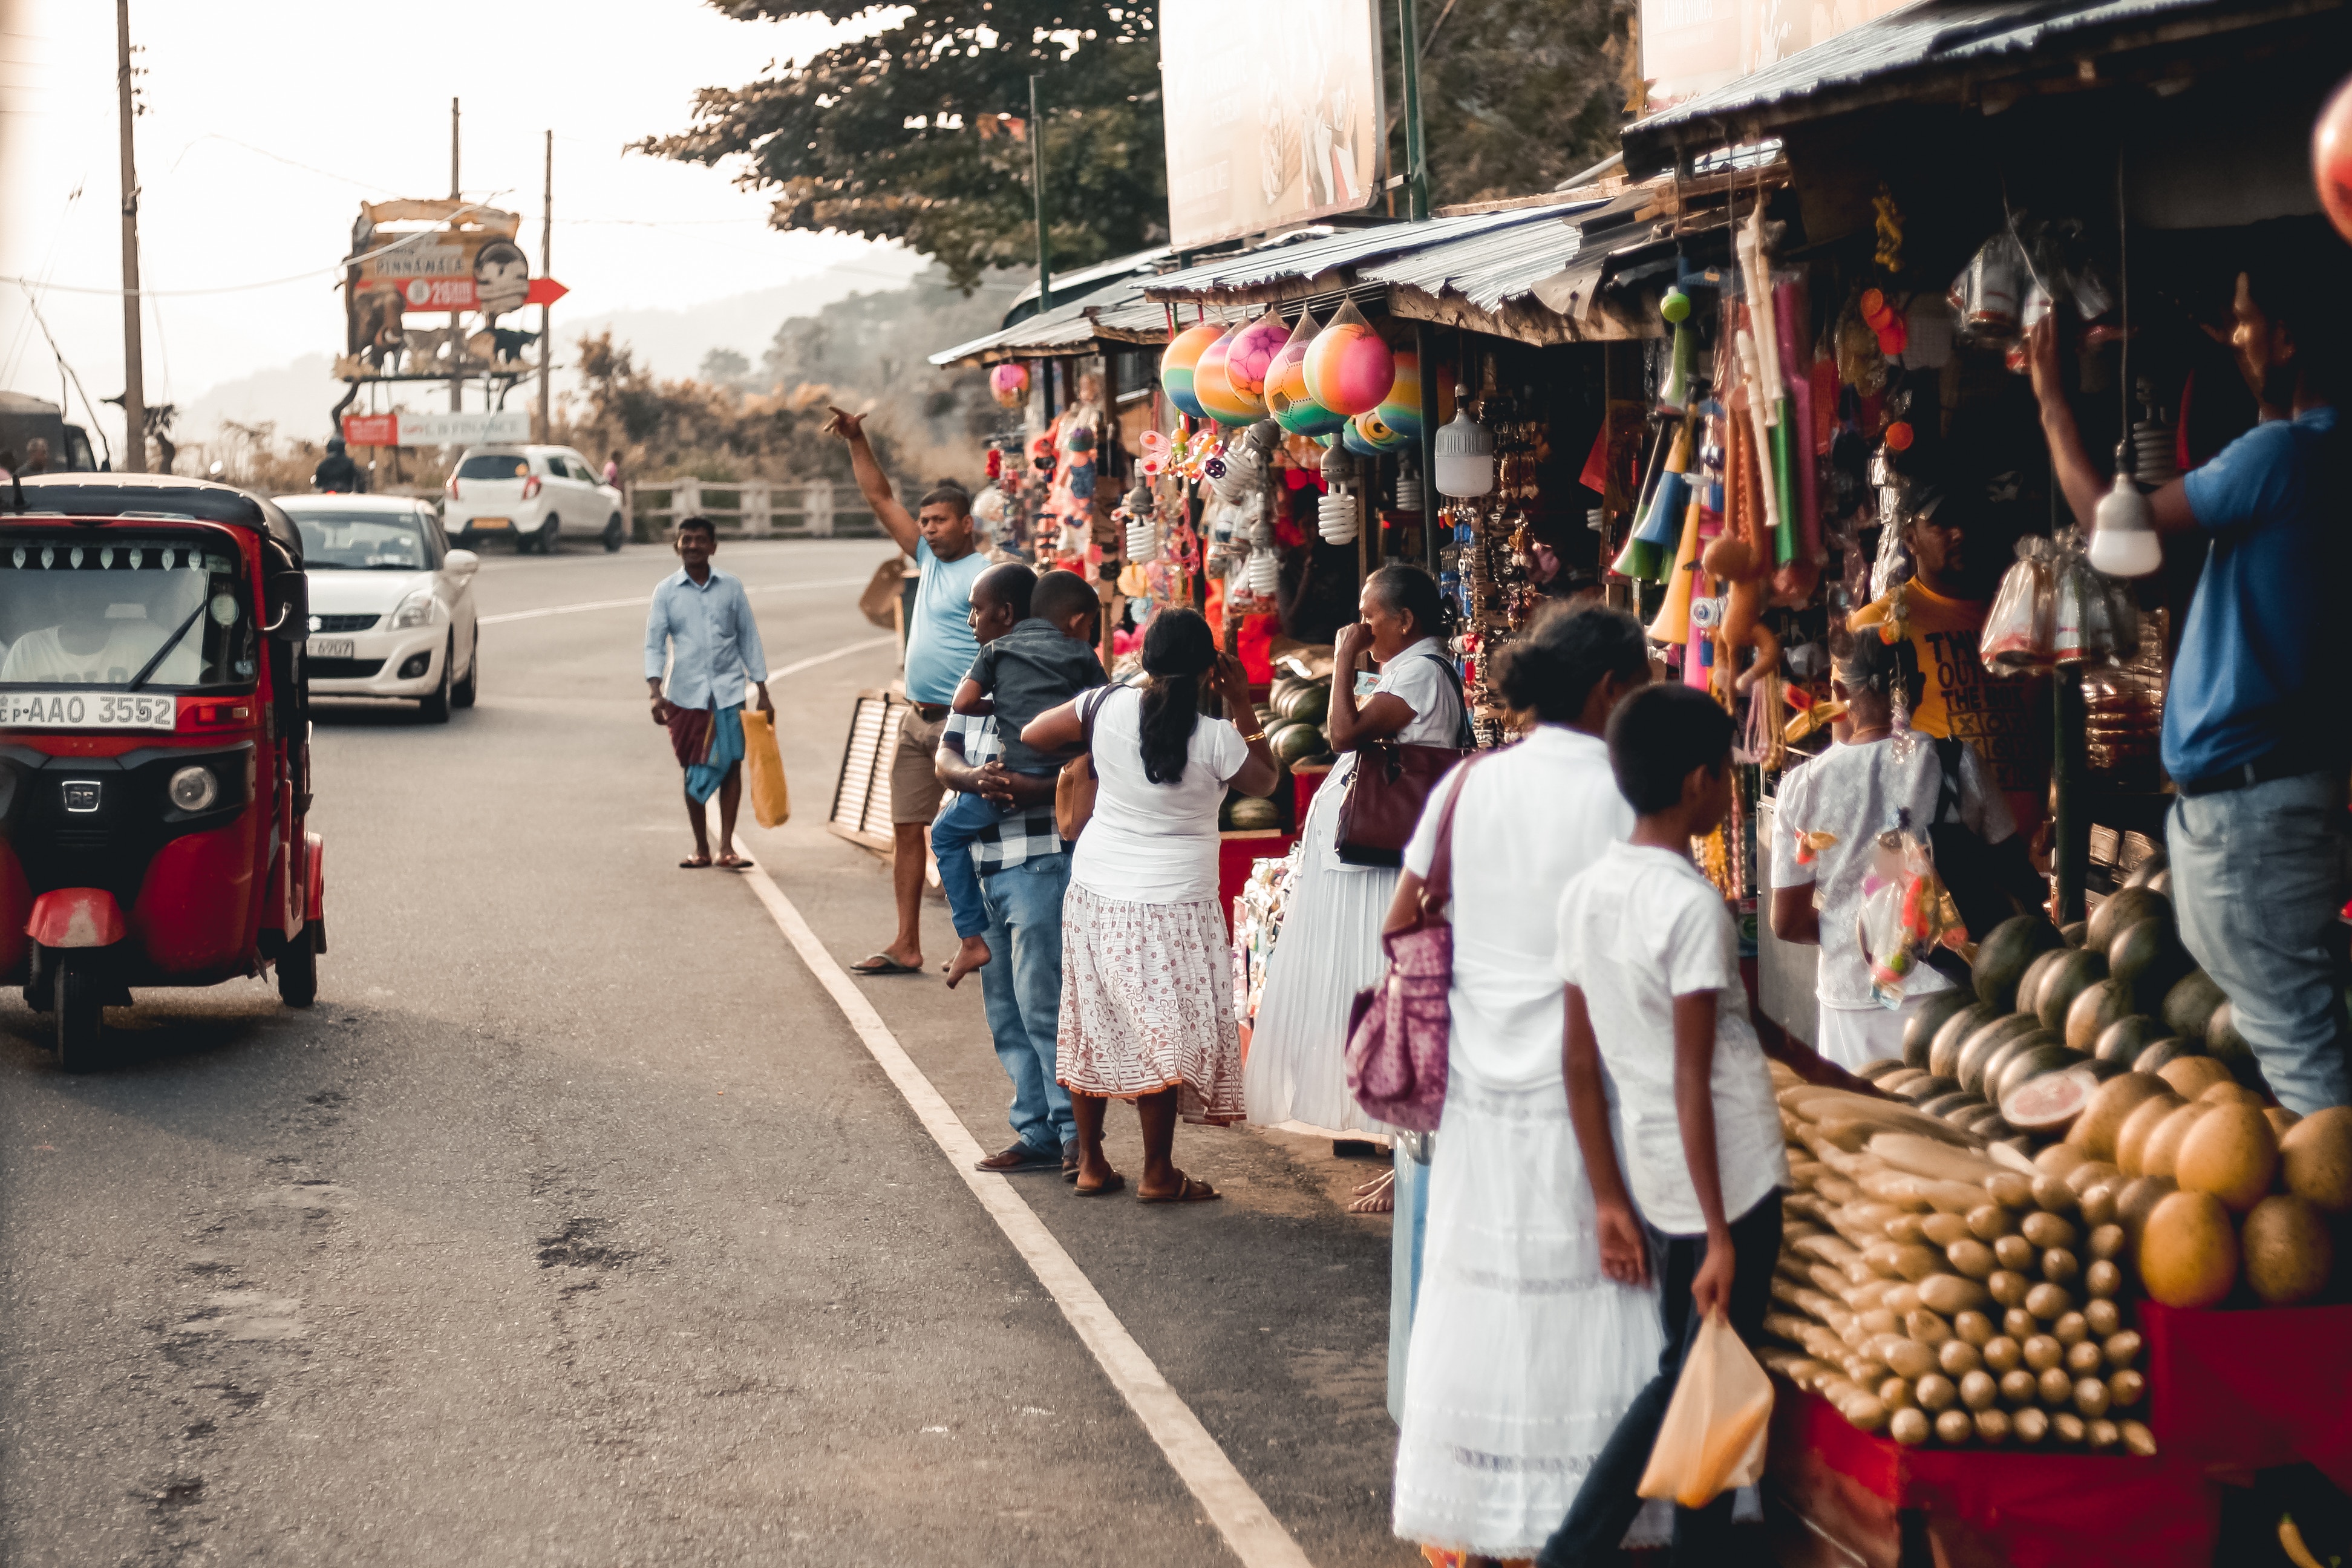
(267, 122)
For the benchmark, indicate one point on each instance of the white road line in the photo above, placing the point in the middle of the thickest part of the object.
(647, 598)
(1233, 1505)
(886, 638)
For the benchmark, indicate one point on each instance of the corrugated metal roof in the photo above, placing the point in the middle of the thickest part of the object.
(1488, 269)
(1931, 35)
(1142, 261)
(1069, 326)
(1312, 258)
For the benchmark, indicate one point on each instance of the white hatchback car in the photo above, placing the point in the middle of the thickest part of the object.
(531, 494)
(391, 605)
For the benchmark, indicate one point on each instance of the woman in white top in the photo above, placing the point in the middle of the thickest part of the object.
(1146, 984)
(1331, 942)
(1523, 1354)
(1877, 779)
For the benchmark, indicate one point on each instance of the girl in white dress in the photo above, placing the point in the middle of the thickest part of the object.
(1330, 943)
(1523, 1354)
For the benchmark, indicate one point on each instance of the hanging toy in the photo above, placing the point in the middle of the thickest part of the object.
(1676, 310)
(1178, 362)
(1009, 383)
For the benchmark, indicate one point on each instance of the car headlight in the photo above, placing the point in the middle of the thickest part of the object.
(194, 789)
(417, 610)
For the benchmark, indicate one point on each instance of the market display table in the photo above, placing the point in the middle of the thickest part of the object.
(2244, 1391)
(1856, 1498)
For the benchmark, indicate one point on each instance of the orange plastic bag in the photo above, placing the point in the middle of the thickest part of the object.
(764, 769)
(1712, 1436)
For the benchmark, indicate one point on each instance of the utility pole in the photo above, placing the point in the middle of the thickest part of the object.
(546, 270)
(457, 341)
(1416, 164)
(1037, 189)
(134, 376)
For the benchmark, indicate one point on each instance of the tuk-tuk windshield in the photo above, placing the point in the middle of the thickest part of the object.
(101, 611)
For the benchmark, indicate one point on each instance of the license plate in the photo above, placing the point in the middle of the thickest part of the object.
(481, 523)
(87, 710)
(332, 647)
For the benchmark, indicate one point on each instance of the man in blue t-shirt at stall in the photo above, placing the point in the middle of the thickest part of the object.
(2254, 737)
(940, 647)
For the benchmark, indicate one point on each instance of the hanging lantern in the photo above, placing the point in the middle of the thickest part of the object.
(2331, 158)
(1009, 383)
(1286, 397)
(1177, 364)
(1213, 390)
(2123, 533)
(1251, 357)
(1401, 409)
(1348, 368)
(1465, 454)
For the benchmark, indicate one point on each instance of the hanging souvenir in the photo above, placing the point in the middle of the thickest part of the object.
(1177, 364)
(1009, 383)
(1369, 435)
(1286, 397)
(1401, 409)
(1213, 390)
(1350, 369)
(1251, 359)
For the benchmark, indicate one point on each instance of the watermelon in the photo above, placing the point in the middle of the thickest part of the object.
(2148, 869)
(1250, 813)
(2099, 1004)
(2122, 1041)
(1923, 1087)
(2189, 1005)
(1944, 1050)
(2222, 1039)
(1947, 1105)
(2076, 970)
(2160, 1052)
(2047, 1104)
(2148, 957)
(1309, 704)
(2121, 910)
(2002, 957)
(2032, 1062)
(2073, 932)
(1296, 742)
(1919, 1029)
(1979, 1047)
(2028, 990)
(2007, 1054)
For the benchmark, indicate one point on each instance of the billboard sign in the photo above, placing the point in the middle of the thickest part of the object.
(1691, 46)
(1261, 138)
(402, 428)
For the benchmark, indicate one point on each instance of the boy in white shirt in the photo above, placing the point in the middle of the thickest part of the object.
(1651, 959)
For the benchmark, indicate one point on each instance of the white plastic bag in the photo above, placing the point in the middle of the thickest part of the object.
(1714, 1435)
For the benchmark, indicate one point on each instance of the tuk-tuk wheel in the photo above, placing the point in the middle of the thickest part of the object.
(81, 1015)
(298, 970)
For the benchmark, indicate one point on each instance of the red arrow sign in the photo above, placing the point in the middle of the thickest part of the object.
(545, 291)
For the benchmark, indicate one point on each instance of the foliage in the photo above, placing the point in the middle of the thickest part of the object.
(1517, 95)
(919, 131)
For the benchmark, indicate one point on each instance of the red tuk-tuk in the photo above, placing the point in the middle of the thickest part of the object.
(154, 746)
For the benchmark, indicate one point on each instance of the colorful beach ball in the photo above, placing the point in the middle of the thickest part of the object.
(1372, 432)
(1214, 392)
(1177, 365)
(1252, 356)
(1010, 384)
(1401, 409)
(1348, 369)
(1286, 397)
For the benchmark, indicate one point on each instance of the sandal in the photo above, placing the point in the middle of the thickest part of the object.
(1191, 1190)
(694, 863)
(1110, 1183)
(883, 963)
(730, 861)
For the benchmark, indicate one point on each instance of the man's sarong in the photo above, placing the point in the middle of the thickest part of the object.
(709, 741)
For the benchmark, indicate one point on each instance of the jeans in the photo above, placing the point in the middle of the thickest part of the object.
(1607, 1502)
(1022, 988)
(951, 836)
(2257, 877)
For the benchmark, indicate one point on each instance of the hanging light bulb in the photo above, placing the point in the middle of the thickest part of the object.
(1466, 454)
(2123, 533)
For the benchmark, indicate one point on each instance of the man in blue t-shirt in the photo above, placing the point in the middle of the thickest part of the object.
(2254, 737)
(940, 647)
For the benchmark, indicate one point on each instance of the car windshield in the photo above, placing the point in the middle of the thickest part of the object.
(98, 610)
(494, 465)
(363, 541)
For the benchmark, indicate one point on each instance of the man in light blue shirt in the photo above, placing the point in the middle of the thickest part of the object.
(700, 627)
(940, 648)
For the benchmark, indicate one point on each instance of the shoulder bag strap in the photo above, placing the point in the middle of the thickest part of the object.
(1464, 737)
(1437, 889)
(1086, 723)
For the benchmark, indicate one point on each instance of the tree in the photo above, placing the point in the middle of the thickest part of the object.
(919, 131)
(1517, 95)
(727, 367)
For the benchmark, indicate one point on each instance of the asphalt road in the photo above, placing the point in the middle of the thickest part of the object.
(574, 1225)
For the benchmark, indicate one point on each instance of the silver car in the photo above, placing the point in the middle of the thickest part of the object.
(392, 604)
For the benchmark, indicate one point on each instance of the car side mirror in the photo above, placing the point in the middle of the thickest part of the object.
(285, 597)
(461, 562)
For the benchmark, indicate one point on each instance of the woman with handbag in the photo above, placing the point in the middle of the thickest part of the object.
(1411, 724)
(1147, 982)
(1523, 1353)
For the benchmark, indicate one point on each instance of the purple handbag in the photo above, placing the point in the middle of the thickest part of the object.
(1398, 1030)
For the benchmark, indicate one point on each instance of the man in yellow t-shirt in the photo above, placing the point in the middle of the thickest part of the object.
(2006, 718)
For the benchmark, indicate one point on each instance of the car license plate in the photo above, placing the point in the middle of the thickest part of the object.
(332, 647)
(88, 710)
(480, 522)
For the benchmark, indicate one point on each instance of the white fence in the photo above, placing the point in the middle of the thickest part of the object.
(753, 508)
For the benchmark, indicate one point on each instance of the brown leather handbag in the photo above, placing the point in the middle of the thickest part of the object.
(1390, 785)
(1075, 787)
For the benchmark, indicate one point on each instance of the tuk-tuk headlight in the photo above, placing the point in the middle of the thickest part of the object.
(194, 789)
(415, 610)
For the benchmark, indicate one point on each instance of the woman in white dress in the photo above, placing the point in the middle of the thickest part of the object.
(1523, 1354)
(1330, 943)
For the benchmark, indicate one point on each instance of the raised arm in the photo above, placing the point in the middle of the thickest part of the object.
(872, 483)
(1261, 772)
(1624, 1251)
(1348, 723)
(2069, 459)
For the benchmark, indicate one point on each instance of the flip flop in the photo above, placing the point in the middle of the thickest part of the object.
(1193, 1191)
(883, 963)
(732, 863)
(691, 864)
(1111, 1184)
